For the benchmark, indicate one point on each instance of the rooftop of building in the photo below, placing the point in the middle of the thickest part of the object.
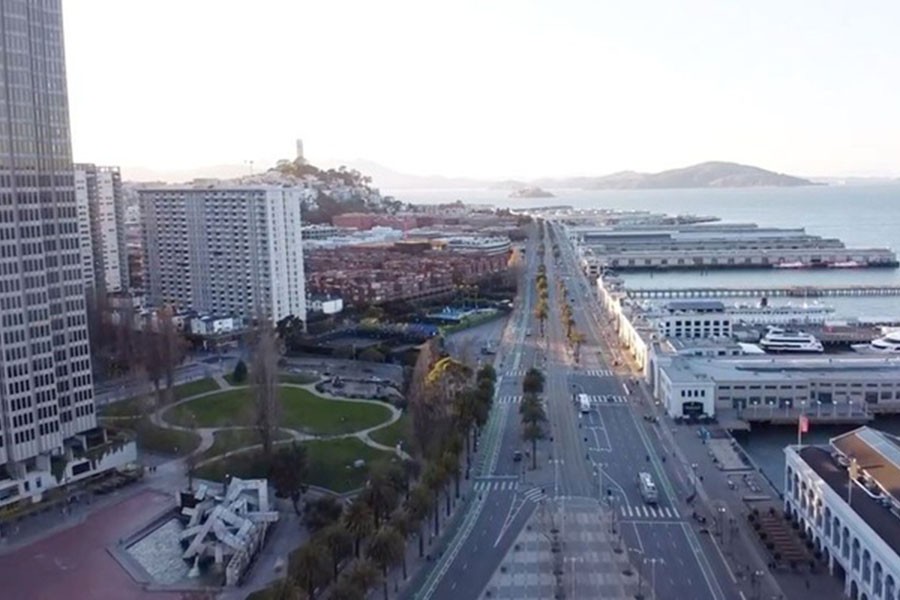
(850, 367)
(876, 493)
(698, 305)
(686, 344)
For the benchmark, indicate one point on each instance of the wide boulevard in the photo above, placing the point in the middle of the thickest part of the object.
(594, 456)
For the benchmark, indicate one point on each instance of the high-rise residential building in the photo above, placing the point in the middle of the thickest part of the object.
(46, 390)
(101, 225)
(225, 251)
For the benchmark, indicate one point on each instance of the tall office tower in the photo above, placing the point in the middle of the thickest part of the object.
(46, 391)
(225, 251)
(101, 225)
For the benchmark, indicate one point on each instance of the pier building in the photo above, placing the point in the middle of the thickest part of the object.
(702, 246)
(845, 497)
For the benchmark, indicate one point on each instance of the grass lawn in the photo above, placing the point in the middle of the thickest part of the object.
(301, 410)
(158, 440)
(330, 464)
(399, 431)
(141, 404)
(232, 439)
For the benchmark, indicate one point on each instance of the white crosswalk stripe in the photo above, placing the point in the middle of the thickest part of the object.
(516, 373)
(509, 399)
(608, 399)
(505, 485)
(535, 495)
(599, 372)
(649, 512)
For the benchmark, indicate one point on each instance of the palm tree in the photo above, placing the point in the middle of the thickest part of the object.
(418, 507)
(364, 574)
(532, 433)
(289, 589)
(385, 550)
(465, 405)
(308, 566)
(381, 496)
(450, 464)
(358, 521)
(540, 313)
(435, 478)
(339, 543)
(533, 417)
(345, 589)
(533, 382)
(403, 523)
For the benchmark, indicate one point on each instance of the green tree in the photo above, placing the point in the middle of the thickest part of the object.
(239, 375)
(358, 521)
(380, 495)
(364, 574)
(403, 523)
(533, 418)
(385, 550)
(540, 313)
(288, 472)
(322, 512)
(418, 507)
(345, 589)
(435, 478)
(533, 382)
(309, 567)
(339, 543)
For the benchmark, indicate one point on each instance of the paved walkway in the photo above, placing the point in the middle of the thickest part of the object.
(207, 434)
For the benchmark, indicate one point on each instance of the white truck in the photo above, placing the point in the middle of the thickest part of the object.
(648, 488)
(584, 402)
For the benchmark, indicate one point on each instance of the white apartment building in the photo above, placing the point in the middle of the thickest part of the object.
(846, 500)
(48, 428)
(225, 250)
(101, 227)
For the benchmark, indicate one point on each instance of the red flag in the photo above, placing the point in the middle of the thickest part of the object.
(804, 424)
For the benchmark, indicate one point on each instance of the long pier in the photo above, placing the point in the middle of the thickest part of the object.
(768, 292)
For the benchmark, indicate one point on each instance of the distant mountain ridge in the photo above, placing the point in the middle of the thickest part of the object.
(713, 174)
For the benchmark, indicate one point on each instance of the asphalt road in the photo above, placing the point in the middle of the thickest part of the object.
(503, 500)
(595, 456)
(660, 537)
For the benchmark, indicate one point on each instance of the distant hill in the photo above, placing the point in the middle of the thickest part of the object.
(704, 175)
(387, 178)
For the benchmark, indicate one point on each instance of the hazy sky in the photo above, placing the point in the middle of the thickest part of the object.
(486, 87)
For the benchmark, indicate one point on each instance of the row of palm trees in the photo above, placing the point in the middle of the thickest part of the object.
(359, 549)
(542, 308)
(531, 411)
(567, 316)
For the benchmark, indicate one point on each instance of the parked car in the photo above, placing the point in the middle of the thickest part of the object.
(517, 456)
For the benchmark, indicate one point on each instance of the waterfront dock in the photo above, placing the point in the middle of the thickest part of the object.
(841, 413)
(805, 291)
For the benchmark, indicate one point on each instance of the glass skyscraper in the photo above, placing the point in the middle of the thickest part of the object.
(46, 391)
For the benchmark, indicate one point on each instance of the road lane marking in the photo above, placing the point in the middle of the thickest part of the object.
(710, 577)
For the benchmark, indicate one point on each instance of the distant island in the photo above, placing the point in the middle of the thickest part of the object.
(531, 192)
(704, 175)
